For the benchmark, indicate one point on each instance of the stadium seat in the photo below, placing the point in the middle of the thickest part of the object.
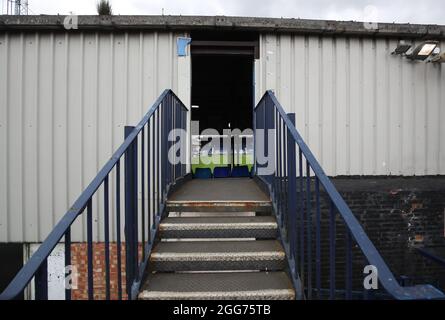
(221, 172)
(202, 173)
(240, 171)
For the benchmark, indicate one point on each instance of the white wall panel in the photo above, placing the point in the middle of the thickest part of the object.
(65, 99)
(361, 110)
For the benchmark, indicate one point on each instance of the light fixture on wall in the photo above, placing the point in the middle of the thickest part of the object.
(422, 51)
(402, 48)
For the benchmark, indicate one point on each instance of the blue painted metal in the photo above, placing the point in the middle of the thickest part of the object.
(157, 163)
(42, 282)
(90, 250)
(160, 126)
(150, 218)
(68, 261)
(309, 229)
(269, 114)
(107, 238)
(332, 240)
(181, 44)
(118, 231)
(203, 173)
(436, 254)
(131, 201)
(318, 239)
(348, 278)
(221, 172)
(291, 188)
(143, 191)
(240, 171)
(302, 217)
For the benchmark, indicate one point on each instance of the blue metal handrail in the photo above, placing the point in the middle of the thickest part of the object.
(294, 207)
(166, 114)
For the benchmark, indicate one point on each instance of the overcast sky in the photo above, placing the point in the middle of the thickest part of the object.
(413, 11)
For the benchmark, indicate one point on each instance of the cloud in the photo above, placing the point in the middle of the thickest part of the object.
(401, 11)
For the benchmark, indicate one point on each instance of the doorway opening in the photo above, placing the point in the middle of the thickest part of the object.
(222, 100)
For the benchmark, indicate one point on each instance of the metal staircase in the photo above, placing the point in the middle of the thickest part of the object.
(284, 234)
(218, 255)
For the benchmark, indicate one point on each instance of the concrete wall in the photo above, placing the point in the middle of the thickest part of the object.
(64, 101)
(361, 110)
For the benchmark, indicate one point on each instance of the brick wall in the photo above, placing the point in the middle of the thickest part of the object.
(397, 214)
(80, 261)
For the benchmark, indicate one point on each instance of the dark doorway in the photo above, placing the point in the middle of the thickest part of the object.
(223, 94)
(222, 89)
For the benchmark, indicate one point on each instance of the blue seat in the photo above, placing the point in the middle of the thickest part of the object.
(240, 171)
(203, 173)
(221, 172)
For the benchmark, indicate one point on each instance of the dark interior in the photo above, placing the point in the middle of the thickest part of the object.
(222, 87)
(222, 79)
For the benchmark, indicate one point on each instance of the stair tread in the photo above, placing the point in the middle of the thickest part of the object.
(222, 195)
(225, 189)
(243, 285)
(203, 247)
(172, 222)
(260, 227)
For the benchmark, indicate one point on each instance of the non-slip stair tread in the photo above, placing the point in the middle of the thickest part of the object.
(202, 247)
(172, 222)
(260, 227)
(216, 219)
(243, 285)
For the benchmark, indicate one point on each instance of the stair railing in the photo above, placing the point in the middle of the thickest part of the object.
(147, 175)
(311, 212)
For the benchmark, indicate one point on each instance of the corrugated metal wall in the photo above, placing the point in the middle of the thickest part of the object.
(66, 97)
(64, 101)
(361, 110)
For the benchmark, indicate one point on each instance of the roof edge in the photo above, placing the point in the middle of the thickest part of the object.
(188, 23)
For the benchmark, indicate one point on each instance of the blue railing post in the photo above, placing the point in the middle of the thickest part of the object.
(318, 239)
(118, 231)
(309, 229)
(291, 190)
(348, 279)
(67, 262)
(41, 281)
(90, 249)
(332, 238)
(107, 238)
(131, 200)
(291, 193)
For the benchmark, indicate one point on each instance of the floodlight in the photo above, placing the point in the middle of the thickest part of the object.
(402, 48)
(423, 50)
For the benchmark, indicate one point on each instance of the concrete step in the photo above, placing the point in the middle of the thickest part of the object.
(218, 286)
(217, 255)
(260, 227)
